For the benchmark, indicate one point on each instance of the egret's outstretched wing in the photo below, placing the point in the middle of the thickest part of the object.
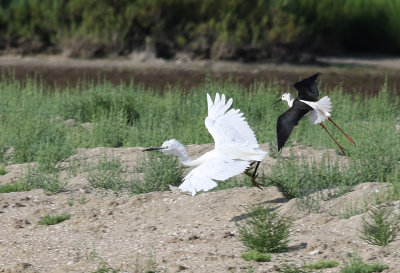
(228, 127)
(201, 178)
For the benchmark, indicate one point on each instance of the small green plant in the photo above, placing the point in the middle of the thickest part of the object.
(292, 268)
(160, 171)
(254, 255)
(265, 230)
(52, 220)
(379, 230)
(48, 180)
(14, 187)
(107, 175)
(104, 268)
(351, 210)
(356, 265)
(3, 170)
(322, 264)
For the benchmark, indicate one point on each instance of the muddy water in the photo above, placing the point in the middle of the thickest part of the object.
(160, 76)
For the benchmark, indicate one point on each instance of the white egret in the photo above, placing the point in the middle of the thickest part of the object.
(306, 102)
(236, 148)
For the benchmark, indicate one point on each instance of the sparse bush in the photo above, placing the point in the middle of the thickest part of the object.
(160, 171)
(296, 178)
(14, 187)
(265, 230)
(46, 179)
(2, 170)
(379, 230)
(254, 255)
(322, 264)
(52, 220)
(107, 175)
(104, 268)
(292, 268)
(356, 265)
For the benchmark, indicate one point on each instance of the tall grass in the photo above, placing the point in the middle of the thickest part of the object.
(32, 126)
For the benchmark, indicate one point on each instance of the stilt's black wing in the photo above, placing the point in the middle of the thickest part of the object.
(308, 88)
(288, 120)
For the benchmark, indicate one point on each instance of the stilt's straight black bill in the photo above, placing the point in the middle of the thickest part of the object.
(277, 101)
(153, 149)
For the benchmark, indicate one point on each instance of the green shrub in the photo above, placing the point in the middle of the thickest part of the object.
(379, 230)
(292, 268)
(254, 255)
(356, 265)
(14, 187)
(264, 230)
(323, 264)
(52, 220)
(47, 179)
(107, 175)
(160, 171)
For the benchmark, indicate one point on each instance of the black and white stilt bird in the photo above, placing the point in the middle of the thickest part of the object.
(306, 102)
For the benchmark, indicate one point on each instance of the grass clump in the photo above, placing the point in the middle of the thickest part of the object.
(52, 220)
(380, 230)
(292, 268)
(265, 230)
(3, 170)
(14, 187)
(321, 264)
(107, 175)
(254, 255)
(159, 171)
(47, 179)
(356, 265)
(296, 178)
(104, 268)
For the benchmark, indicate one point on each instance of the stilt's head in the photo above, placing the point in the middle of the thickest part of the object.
(286, 97)
(289, 98)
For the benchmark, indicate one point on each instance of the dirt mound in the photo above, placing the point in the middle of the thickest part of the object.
(170, 231)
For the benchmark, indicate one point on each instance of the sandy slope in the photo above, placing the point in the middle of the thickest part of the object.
(172, 231)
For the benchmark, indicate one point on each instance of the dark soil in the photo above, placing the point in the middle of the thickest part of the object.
(161, 76)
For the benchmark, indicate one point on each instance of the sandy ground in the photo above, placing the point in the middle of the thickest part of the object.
(171, 231)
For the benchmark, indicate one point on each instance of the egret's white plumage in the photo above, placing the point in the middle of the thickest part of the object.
(235, 147)
(322, 107)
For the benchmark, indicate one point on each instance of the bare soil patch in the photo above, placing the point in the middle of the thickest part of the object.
(354, 75)
(175, 232)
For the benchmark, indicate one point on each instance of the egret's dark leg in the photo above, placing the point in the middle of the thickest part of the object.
(254, 175)
(341, 148)
(342, 131)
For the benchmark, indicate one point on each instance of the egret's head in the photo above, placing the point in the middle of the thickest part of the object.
(171, 146)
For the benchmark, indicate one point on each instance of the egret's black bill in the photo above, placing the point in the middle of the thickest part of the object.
(153, 149)
(277, 101)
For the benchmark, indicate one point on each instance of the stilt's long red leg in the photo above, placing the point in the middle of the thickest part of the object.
(341, 148)
(342, 131)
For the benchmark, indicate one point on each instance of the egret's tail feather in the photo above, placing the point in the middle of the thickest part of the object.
(194, 185)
